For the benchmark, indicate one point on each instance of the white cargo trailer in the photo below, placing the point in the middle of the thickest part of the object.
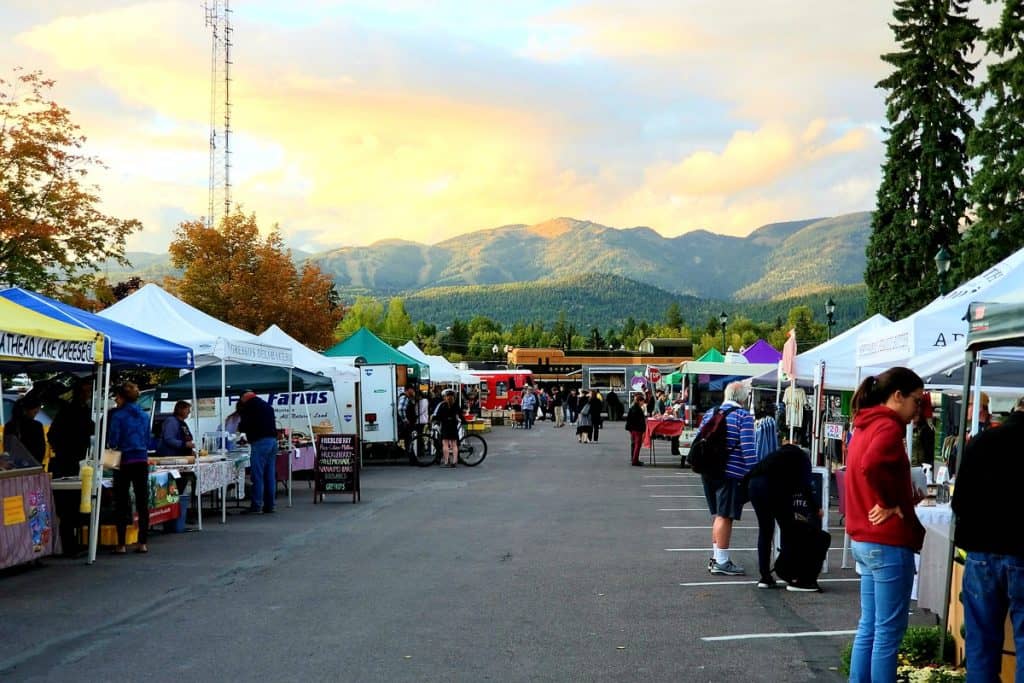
(378, 403)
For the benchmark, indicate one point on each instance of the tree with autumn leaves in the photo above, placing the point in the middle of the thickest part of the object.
(52, 234)
(237, 275)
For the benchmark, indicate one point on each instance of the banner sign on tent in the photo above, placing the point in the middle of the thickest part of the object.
(40, 348)
(258, 354)
(890, 344)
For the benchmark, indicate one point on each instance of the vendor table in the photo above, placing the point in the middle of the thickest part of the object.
(210, 476)
(666, 427)
(931, 575)
(294, 460)
(27, 528)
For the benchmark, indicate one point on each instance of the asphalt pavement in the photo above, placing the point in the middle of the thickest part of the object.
(551, 561)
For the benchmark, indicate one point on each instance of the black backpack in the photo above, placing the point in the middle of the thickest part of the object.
(709, 452)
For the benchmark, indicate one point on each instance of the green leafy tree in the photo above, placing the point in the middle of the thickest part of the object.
(365, 312)
(673, 316)
(997, 188)
(482, 324)
(52, 231)
(560, 330)
(921, 199)
(397, 328)
(457, 338)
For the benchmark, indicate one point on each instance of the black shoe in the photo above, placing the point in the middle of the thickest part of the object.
(804, 587)
(638, 464)
(268, 511)
(768, 582)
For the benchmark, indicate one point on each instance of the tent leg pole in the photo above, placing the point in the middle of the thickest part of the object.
(961, 442)
(291, 431)
(97, 479)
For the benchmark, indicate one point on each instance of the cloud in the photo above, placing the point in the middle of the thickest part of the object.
(670, 116)
(751, 159)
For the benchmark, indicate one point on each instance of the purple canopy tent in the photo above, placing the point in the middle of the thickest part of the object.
(762, 352)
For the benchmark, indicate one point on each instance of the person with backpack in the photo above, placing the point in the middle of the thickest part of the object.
(779, 488)
(636, 425)
(723, 453)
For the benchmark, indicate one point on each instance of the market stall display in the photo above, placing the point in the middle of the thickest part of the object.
(664, 427)
(31, 340)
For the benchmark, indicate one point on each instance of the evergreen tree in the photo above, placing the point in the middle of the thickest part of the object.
(922, 196)
(997, 188)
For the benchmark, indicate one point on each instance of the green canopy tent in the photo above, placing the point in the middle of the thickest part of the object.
(376, 351)
(711, 356)
(238, 378)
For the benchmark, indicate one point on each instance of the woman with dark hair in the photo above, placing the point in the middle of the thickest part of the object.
(129, 433)
(175, 436)
(880, 518)
(24, 427)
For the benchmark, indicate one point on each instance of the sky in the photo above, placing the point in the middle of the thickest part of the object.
(356, 121)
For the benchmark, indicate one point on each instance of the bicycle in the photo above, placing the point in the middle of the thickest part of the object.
(472, 449)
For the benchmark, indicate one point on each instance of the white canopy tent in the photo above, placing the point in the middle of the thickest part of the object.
(340, 370)
(941, 323)
(734, 368)
(441, 370)
(837, 354)
(153, 310)
(308, 359)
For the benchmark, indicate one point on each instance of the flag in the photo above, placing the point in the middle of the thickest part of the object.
(789, 355)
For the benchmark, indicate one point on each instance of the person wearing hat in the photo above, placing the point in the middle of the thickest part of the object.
(448, 417)
(260, 427)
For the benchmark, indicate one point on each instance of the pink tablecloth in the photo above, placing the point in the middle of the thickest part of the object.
(301, 460)
(28, 522)
(666, 428)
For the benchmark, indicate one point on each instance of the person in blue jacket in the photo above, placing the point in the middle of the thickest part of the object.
(128, 432)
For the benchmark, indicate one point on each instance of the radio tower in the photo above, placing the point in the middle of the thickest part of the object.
(218, 19)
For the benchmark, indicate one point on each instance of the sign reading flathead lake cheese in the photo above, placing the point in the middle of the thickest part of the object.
(337, 466)
(40, 348)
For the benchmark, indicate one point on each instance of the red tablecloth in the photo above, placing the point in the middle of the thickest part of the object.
(662, 427)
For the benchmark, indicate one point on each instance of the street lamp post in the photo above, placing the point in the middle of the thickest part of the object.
(494, 352)
(830, 315)
(943, 261)
(723, 320)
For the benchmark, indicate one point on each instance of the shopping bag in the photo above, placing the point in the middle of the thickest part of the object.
(111, 459)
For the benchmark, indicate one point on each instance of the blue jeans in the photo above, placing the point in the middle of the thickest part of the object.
(887, 577)
(528, 415)
(263, 467)
(992, 585)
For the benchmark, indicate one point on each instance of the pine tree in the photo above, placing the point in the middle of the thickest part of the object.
(997, 188)
(922, 196)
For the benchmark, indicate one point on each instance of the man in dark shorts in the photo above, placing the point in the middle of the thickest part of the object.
(726, 493)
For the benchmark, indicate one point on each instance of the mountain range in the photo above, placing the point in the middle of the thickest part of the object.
(596, 273)
(774, 261)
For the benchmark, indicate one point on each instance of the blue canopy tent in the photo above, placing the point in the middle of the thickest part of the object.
(124, 347)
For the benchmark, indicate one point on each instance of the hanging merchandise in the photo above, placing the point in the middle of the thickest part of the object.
(794, 399)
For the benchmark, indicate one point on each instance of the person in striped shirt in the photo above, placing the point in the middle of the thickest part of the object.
(725, 492)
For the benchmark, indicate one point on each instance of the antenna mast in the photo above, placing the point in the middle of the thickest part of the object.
(218, 20)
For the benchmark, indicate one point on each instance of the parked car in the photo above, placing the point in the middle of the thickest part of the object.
(20, 384)
(9, 400)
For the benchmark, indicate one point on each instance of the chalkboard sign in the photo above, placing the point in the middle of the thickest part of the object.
(337, 466)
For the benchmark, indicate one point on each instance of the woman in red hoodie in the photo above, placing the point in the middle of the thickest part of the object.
(880, 518)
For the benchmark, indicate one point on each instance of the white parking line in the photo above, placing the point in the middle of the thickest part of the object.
(706, 549)
(802, 634)
(676, 495)
(687, 485)
(753, 583)
(668, 476)
(699, 550)
(707, 527)
(683, 510)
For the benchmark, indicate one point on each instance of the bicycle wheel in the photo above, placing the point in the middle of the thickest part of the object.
(426, 454)
(472, 450)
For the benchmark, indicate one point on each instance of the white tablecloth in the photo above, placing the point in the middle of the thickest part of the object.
(934, 565)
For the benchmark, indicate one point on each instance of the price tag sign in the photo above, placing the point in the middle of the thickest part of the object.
(834, 430)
